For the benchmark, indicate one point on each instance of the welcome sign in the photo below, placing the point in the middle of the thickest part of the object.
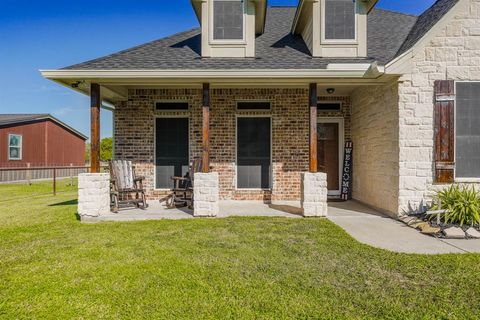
(347, 171)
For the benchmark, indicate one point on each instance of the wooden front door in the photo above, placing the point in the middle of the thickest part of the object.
(329, 153)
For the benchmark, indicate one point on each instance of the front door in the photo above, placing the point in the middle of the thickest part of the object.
(330, 134)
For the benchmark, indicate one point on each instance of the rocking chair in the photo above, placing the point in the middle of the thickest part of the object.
(182, 193)
(124, 184)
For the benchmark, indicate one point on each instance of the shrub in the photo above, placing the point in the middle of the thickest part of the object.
(462, 205)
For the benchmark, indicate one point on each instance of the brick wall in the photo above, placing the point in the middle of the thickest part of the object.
(134, 137)
(453, 54)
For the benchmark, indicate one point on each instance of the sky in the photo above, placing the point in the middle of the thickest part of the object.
(50, 34)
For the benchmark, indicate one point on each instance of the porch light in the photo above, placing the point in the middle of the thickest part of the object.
(330, 90)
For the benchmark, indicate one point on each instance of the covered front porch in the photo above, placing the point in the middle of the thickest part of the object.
(259, 139)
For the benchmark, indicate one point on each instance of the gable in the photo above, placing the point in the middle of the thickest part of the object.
(277, 48)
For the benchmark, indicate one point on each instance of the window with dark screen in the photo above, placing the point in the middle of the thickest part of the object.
(467, 128)
(253, 152)
(171, 150)
(340, 19)
(228, 19)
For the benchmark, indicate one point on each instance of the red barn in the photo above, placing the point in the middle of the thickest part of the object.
(39, 140)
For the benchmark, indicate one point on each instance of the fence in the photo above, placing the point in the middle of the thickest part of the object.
(29, 174)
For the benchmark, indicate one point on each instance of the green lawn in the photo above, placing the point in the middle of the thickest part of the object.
(52, 266)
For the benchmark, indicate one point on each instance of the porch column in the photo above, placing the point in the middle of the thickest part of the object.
(313, 128)
(95, 103)
(206, 129)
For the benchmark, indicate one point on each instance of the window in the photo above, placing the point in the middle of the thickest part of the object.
(171, 150)
(467, 139)
(253, 152)
(329, 106)
(171, 106)
(228, 19)
(14, 147)
(340, 19)
(253, 106)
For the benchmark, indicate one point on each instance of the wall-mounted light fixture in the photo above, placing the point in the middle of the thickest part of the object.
(331, 90)
(76, 84)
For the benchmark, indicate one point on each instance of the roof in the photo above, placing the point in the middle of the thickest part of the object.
(426, 21)
(389, 34)
(14, 119)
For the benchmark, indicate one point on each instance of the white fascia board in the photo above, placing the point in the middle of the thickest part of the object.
(334, 70)
(297, 15)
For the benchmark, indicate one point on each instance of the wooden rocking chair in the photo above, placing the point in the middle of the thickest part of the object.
(124, 184)
(182, 193)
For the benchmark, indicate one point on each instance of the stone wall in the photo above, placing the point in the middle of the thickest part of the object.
(93, 195)
(375, 146)
(453, 54)
(134, 135)
(314, 194)
(206, 195)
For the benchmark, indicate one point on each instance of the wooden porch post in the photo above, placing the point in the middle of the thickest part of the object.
(206, 129)
(95, 103)
(313, 127)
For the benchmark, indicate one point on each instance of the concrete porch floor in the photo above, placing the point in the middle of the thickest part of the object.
(366, 225)
(158, 211)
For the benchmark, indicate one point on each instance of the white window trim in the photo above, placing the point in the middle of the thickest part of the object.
(163, 116)
(460, 179)
(341, 146)
(265, 115)
(19, 147)
(214, 41)
(338, 41)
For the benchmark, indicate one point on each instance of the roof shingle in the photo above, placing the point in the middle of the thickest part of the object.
(389, 34)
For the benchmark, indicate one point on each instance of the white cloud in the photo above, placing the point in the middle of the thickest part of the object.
(64, 111)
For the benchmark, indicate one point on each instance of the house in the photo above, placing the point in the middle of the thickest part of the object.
(268, 96)
(39, 140)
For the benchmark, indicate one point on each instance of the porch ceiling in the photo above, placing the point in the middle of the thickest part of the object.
(115, 84)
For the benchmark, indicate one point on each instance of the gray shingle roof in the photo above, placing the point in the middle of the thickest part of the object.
(426, 21)
(388, 34)
(14, 119)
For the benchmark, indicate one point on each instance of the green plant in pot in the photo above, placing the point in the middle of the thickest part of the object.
(462, 205)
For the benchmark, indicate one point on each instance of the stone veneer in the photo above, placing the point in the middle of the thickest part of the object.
(314, 194)
(134, 135)
(93, 195)
(375, 146)
(453, 54)
(206, 195)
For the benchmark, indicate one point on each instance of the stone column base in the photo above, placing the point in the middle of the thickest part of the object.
(93, 194)
(205, 194)
(314, 194)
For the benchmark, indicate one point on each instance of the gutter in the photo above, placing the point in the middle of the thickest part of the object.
(333, 70)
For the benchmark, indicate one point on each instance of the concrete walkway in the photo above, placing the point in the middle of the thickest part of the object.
(371, 227)
(361, 222)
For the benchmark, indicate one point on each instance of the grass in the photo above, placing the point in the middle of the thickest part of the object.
(52, 266)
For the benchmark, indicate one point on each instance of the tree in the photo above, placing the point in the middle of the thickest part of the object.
(87, 152)
(106, 149)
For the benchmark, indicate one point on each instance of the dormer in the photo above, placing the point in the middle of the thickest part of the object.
(229, 27)
(334, 28)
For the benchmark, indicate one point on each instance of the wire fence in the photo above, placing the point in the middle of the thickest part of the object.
(36, 181)
(29, 173)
